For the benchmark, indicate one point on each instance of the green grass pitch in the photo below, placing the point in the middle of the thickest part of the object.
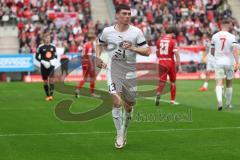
(29, 128)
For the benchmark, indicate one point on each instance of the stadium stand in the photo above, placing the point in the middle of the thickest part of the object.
(69, 21)
(193, 23)
(194, 19)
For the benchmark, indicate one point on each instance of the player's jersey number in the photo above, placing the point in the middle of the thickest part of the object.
(223, 43)
(164, 45)
(112, 87)
(120, 54)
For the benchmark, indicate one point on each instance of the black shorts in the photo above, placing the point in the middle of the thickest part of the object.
(47, 72)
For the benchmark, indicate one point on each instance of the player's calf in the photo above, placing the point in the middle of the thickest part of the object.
(157, 100)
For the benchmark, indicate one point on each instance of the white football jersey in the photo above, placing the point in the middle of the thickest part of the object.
(120, 60)
(210, 57)
(223, 43)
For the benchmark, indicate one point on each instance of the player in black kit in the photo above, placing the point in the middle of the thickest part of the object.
(46, 55)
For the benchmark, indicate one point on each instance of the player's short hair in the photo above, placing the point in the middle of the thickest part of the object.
(122, 7)
(225, 21)
(170, 30)
(91, 35)
(46, 34)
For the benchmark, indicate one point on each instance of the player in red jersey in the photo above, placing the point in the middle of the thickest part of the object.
(166, 50)
(88, 65)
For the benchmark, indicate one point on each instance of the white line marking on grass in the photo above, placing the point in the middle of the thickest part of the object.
(112, 132)
(21, 108)
(103, 89)
(162, 100)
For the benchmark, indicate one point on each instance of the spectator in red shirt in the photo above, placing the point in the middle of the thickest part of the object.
(181, 38)
(73, 48)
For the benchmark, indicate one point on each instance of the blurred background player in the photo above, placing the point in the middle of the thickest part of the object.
(88, 65)
(210, 66)
(121, 68)
(46, 55)
(166, 50)
(224, 47)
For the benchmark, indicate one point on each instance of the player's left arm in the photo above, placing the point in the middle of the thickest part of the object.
(142, 46)
(176, 53)
(38, 54)
(53, 61)
(235, 54)
(144, 51)
(177, 56)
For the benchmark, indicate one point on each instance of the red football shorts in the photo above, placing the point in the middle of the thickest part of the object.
(167, 68)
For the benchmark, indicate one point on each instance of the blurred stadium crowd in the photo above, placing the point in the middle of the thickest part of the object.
(195, 20)
(34, 17)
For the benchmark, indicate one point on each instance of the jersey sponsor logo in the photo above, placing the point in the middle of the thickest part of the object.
(49, 55)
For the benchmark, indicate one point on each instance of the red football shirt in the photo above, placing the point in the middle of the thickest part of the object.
(166, 46)
(88, 50)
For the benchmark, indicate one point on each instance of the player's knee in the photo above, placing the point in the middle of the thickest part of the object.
(116, 104)
(45, 81)
(220, 82)
(116, 100)
(129, 106)
(208, 73)
(229, 83)
(51, 80)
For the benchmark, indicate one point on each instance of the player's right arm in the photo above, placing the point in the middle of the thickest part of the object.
(38, 54)
(212, 46)
(157, 47)
(99, 48)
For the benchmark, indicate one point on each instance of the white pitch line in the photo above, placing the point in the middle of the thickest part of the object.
(112, 132)
(20, 108)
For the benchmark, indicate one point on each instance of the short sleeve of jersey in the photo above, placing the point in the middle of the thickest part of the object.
(141, 41)
(234, 41)
(54, 49)
(213, 42)
(38, 48)
(102, 38)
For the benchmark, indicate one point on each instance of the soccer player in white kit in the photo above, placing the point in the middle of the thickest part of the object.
(224, 47)
(122, 42)
(210, 67)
